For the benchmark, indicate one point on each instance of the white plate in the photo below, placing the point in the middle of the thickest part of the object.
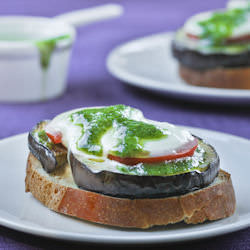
(20, 211)
(148, 63)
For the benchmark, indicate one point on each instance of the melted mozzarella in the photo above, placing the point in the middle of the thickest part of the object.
(192, 25)
(232, 4)
(175, 139)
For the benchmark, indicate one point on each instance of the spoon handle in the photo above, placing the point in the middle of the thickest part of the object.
(91, 15)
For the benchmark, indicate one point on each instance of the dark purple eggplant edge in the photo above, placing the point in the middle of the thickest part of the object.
(132, 186)
(195, 60)
(46, 156)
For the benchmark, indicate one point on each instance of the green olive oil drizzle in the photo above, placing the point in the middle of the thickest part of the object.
(46, 48)
(222, 24)
(95, 122)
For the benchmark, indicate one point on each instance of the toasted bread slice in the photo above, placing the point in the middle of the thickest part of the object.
(230, 78)
(58, 192)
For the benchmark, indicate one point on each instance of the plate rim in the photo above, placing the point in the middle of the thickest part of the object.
(187, 91)
(162, 238)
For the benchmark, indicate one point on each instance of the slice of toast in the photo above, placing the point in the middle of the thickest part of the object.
(232, 78)
(58, 192)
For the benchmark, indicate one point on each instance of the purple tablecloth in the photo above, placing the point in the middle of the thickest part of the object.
(89, 84)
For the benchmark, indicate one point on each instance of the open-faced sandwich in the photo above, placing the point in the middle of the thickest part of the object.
(111, 165)
(213, 48)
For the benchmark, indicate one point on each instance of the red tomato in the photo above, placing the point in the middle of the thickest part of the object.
(231, 40)
(192, 36)
(55, 136)
(187, 151)
(239, 40)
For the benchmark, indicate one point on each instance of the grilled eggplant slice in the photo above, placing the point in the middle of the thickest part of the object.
(134, 186)
(49, 154)
(127, 185)
(199, 61)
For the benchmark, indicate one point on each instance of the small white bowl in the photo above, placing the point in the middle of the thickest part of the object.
(35, 52)
(23, 78)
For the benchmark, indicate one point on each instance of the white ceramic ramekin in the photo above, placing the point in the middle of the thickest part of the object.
(25, 41)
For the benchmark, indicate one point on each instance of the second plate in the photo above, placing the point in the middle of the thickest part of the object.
(148, 63)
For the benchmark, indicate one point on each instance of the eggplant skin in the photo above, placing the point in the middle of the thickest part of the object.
(196, 60)
(133, 186)
(50, 158)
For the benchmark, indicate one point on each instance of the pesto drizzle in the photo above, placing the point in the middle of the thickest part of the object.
(162, 168)
(95, 122)
(221, 24)
(46, 48)
(42, 138)
(198, 162)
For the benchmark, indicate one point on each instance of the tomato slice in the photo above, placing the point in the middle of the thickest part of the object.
(187, 150)
(238, 40)
(231, 40)
(55, 136)
(192, 36)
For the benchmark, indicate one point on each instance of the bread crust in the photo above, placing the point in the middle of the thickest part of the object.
(211, 203)
(230, 78)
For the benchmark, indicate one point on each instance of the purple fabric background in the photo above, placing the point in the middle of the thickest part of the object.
(89, 84)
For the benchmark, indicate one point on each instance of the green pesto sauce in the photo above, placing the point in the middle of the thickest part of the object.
(167, 168)
(95, 122)
(46, 48)
(42, 138)
(221, 24)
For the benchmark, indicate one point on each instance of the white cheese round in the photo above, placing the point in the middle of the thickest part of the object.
(232, 4)
(192, 25)
(175, 139)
